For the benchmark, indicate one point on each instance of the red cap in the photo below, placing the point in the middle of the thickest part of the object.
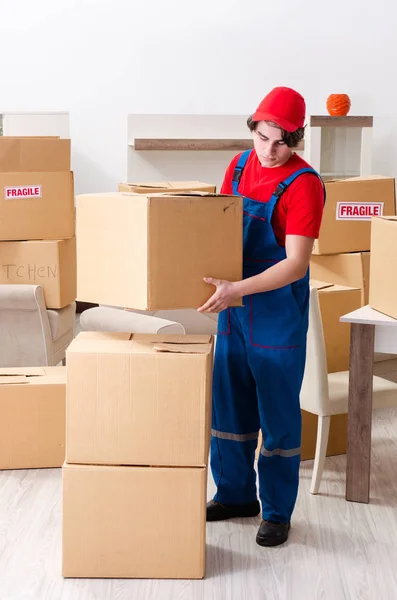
(283, 106)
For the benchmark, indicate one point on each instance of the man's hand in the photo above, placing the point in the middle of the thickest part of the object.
(226, 293)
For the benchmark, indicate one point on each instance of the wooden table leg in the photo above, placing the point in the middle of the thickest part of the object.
(360, 412)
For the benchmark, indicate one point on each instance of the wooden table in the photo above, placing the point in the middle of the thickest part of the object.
(371, 331)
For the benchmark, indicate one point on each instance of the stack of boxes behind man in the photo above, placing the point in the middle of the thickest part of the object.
(37, 247)
(139, 406)
(340, 268)
(38, 244)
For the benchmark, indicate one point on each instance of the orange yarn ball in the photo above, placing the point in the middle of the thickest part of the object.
(338, 105)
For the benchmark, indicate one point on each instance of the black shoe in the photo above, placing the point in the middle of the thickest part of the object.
(272, 534)
(221, 512)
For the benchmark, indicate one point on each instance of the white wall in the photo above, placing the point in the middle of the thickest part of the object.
(101, 60)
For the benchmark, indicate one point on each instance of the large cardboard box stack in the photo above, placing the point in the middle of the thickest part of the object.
(137, 444)
(152, 251)
(383, 288)
(37, 243)
(32, 417)
(341, 256)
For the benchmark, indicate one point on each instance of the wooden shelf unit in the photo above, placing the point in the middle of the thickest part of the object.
(195, 144)
(339, 147)
(191, 144)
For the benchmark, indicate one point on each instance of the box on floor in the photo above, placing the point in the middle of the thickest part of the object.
(383, 288)
(36, 205)
(32, 417)
(24, 154)
(349, 207)
(166, 186)
(50, 264)
(347, 269)
(138, 522)
(126, 389)
(151, 252)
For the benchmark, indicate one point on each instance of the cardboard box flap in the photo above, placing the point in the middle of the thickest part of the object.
(179, 184)
(102, 343)
(320, 285)
(181, 348)
(368, 177)
(172, 185)
(330, 287)
(97, 341)
(20, 375)
(188, 193)
(13, 379)
(22, 371)
(31, 137)
(149, 186)
(172, 338)
(358, 178)
(387, 218)
(101, 335)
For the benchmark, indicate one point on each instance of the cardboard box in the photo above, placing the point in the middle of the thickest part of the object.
(383, 288)
(32, 417)
(142, 522)
(166, 186)
(336, 301)
(351, 270)
(50, 264)
(139, 399)
(349, 207)
(36, 206)
(337, 440)
(23, 154)
(152, 252)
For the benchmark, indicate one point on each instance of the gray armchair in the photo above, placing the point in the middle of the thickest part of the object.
(30, 334)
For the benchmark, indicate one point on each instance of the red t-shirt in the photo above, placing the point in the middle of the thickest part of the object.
(300, 208)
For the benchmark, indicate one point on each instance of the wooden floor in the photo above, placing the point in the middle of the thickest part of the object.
(337, 550)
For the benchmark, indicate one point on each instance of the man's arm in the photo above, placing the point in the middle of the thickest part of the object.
(293, 267)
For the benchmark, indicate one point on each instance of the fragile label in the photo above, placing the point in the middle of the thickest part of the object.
(22, 191)
(358, 211)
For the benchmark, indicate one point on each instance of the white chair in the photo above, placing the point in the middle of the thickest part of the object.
(327, 394)
(30, 334)
(109, 318)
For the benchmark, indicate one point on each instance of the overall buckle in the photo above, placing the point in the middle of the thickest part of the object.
(280, 189)
(237, 174)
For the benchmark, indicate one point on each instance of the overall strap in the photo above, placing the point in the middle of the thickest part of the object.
(238, 171)
(283, 185)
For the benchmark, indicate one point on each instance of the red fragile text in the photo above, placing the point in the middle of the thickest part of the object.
(359, 211)
(23, 191)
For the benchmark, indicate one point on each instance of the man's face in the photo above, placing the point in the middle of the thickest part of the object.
(269, 145)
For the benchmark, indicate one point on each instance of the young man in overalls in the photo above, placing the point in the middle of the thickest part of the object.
(261, 347)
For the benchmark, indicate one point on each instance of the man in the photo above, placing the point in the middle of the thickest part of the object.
(261, 347)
